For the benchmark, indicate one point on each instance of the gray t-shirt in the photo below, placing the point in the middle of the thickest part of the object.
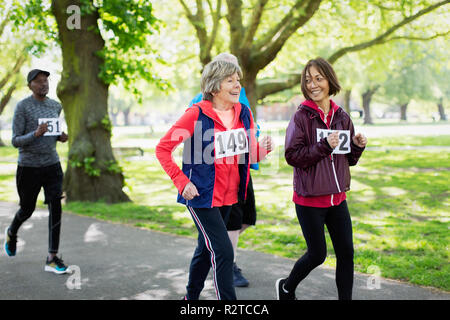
(34, 151)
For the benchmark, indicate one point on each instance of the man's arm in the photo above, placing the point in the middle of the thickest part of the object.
(21, 138)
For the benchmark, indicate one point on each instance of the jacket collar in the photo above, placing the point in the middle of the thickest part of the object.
(316, 111)
(208, 110)
(311, 104)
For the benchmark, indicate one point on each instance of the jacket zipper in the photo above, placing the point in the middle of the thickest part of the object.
(190, 174)
(332, 163)
(335, 179)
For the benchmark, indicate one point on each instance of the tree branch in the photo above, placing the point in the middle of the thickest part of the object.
(19, 63)
(383, 38)
(234, 18)
(254, 23)
(5, 99)
(189, 14)
(437, 35)
(198, 22)
(216, 19)
(5, 22)
(268, 87)
(267, 48)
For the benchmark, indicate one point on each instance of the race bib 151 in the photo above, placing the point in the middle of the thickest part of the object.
(54, 127)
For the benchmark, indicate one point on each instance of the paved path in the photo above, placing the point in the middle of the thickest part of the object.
(123, 262)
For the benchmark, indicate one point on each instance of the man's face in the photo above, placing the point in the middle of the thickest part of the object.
(39, 85)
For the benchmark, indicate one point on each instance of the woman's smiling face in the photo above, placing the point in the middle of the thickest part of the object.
(317, 85)
(230, 89)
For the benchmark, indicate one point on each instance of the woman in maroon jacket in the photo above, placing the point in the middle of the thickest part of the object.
(321, 145)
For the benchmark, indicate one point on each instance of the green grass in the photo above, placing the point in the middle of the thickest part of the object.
(171, 219)
(399, 203)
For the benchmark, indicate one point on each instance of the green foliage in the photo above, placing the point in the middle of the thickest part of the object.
(125, 26)
(93, 167)
(88, 164)
(34, 16)
(113, 167)
(107, 124)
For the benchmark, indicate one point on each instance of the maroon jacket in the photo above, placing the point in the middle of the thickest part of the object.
(316, 171)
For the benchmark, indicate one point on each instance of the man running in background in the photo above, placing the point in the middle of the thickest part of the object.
(38, 164)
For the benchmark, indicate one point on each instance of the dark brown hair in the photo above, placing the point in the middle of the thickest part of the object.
(326, 70)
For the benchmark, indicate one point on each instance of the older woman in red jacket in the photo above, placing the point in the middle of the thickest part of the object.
(321, 145)
(219, 145)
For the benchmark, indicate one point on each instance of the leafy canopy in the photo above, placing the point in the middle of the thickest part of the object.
(125, 25)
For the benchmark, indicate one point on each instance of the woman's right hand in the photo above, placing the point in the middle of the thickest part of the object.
(333, 139)
(190, 191)
(267, 143)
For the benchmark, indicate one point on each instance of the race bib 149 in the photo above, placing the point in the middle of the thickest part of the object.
(230, 143)
(344, 139)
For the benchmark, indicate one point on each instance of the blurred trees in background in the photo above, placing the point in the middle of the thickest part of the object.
(151, 53)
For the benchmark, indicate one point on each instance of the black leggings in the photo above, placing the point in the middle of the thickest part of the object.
(29, 183)
(339, 225)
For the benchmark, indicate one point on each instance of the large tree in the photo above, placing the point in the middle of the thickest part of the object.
(100, 41)
(90, 64)
(259, 30)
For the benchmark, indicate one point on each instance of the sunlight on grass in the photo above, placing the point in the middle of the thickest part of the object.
(365, 192)
(393, 191)
(7, 168)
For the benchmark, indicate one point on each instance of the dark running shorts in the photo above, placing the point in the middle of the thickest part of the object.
(243, 213)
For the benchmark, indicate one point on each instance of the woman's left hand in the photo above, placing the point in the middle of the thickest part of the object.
(360, 140)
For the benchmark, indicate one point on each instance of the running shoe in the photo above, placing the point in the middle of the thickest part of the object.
(283, 294)
(10, 243)
(56, 265)
(238, 278)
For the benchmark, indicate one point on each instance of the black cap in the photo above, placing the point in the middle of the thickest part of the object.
(33, 73)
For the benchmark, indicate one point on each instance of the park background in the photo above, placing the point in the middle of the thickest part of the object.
(131, 67)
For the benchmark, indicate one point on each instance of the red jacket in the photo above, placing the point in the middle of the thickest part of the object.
(217, 179)
(320, 177)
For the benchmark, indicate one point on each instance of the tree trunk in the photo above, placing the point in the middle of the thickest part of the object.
(441, 110)
(250, 89)
(2, 144)
(126, 116)
(3, 102)
(367, 98)
(92, 172)
(347, 96)
(5, 99)
(113, 116)
(403, 108)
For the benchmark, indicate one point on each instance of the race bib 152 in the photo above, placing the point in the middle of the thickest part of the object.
(344, 139)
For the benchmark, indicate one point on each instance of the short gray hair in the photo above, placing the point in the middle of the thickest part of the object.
(225, 56)
(214, 73)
